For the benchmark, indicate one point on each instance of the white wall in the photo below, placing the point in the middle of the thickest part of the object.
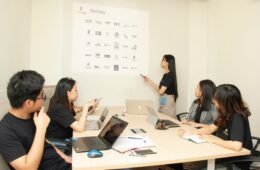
(198, 59)
(233, 49)
(216, 39)
(14, 42)
(167, 34)
(46, 39)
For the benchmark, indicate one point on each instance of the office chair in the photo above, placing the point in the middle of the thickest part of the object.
(182, 116)
(254, 157)
(49, 91)
(3, 164)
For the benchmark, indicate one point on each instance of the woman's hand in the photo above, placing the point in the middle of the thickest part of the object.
(89, 106)
(193, 124)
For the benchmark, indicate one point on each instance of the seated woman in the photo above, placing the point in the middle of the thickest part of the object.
(202, 110)
(62, 111)
(232, 125)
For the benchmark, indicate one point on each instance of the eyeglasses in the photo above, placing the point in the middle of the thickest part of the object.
(43, 96)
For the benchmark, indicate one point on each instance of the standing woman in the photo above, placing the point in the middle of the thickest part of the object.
(167, 88)
(62, 111)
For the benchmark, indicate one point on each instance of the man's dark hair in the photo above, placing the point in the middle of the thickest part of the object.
(23, 85)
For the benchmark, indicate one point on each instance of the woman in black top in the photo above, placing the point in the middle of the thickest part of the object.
(232, 125)
(62, 111)
(167, 88)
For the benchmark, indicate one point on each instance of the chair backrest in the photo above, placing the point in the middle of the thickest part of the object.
(49, 91)
(3, 164)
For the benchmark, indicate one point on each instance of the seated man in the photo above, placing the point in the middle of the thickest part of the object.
(23, 128)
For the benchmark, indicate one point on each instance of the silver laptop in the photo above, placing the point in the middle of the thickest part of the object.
(106, 138)
(138, 106)
(92, 109)
(153, 118)
(97, 123)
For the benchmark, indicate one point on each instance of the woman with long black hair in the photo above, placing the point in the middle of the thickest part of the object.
(167, 89)
(62, 110)
(232, 127)
(202, 111)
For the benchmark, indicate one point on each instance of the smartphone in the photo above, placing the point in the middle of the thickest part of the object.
(144, 152)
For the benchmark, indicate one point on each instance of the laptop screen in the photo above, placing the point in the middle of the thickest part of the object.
(138, 106)
(152, 117)
(113, 130)
(104, 115)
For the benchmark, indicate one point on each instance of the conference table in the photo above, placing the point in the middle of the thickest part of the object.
(170, 148)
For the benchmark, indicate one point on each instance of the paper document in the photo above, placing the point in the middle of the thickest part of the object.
(127, 143)
(194, 138)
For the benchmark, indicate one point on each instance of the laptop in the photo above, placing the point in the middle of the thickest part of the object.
(153, 118)
(106, 138)
(92, 109)
(138, 106)
(97, 123)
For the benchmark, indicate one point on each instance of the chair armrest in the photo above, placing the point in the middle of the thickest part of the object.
(182, 115)
(256, 152)
(59, 142)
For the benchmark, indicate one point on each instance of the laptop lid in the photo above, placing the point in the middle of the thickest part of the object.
(106, 138)
(112, 130)
(152, 117)
(138, 106)
(103, 116)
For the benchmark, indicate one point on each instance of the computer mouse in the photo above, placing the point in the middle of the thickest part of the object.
(95, 153)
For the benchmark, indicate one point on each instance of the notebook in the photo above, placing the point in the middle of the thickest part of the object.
(106, 138)
(97, 123)
(92, 109)
(138, 106)
(153, 118)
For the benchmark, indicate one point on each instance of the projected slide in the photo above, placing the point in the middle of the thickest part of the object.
(109, 40)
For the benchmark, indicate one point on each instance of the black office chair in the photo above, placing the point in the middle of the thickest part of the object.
(182, 116)
(254, 157)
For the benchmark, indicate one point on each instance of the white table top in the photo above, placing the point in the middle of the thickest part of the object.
(170, 147)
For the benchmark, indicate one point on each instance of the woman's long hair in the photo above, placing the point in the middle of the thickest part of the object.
(230, 102)
(172, 68)
(60, 95)
(207, 88)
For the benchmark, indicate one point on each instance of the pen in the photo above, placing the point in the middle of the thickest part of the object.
(132, 149)
(134, 138)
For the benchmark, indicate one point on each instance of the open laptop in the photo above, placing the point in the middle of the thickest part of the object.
(92, 109)
(138, 106)
(106, 138)
(153, 118)
(96, 123)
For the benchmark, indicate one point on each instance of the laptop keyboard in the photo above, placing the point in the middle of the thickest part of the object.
(95, 143)
(92, 125)
(170, 123)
